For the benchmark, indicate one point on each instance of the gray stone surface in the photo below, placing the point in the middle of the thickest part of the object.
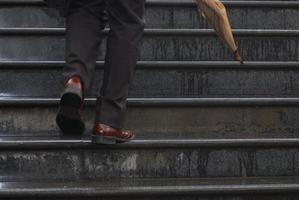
(176, 81)
(180, 120)
(241, 17)
(241, 197)
(155, 188)
(169, 46)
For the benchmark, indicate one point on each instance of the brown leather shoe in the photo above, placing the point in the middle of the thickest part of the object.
(103, 134)
(69, 117)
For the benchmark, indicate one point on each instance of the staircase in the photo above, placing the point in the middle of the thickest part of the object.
(207, 128)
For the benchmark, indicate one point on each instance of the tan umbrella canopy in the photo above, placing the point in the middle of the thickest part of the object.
(215, 13)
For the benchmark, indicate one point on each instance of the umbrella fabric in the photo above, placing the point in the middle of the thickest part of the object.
(215, 13)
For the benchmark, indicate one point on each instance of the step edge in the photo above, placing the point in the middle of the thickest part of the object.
(161, 102)
(159, 65)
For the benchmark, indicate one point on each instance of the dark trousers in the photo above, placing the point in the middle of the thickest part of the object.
(85, 21)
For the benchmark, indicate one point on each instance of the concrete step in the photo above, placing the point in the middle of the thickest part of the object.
(163, 79)
(197, 117)
(42, 159)
(159, 44)
(167, 14)
(162, 189)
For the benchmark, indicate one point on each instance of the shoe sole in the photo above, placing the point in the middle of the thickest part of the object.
(69, 126)
(69, 106)
(108, 140)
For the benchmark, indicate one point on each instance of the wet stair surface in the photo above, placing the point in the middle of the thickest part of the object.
(207, 128)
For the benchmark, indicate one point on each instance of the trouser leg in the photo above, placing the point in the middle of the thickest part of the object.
(126, 24)
(84, 23)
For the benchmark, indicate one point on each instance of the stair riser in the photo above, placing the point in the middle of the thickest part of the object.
(161, 48)
(241, 17)
(196, 122)
(175, 82)
(148, 163)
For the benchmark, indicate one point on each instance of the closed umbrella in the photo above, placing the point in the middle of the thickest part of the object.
(215, 13)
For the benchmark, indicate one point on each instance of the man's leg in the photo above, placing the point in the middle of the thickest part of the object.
(84, 23)
(127, 25)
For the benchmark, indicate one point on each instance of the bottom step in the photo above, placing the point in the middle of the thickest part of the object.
(207, 189)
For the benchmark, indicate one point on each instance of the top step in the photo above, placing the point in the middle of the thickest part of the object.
(247, 14)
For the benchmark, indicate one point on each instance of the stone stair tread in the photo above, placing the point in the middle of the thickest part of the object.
(229, 2)
(262, 14)
(220, 117)
(166, 102)
(144, 187)
(29, 143)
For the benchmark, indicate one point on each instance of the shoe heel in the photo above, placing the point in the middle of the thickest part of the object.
(103, 140)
